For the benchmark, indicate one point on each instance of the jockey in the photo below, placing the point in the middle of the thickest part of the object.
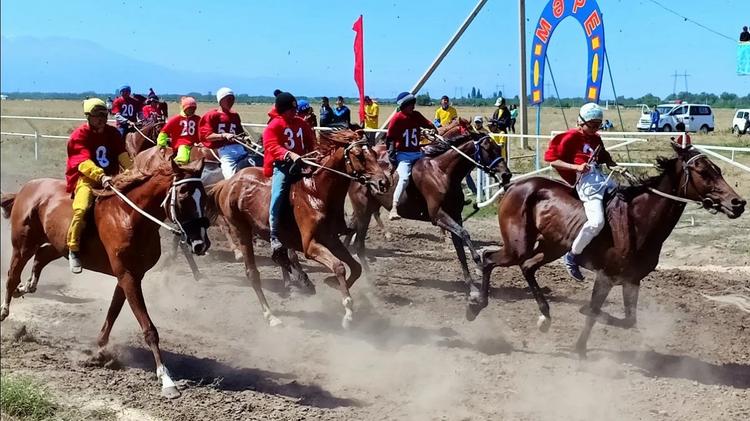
(217, 129)
(577, 155)
(181, 130)
(94, 151)
(286, 138)
(125, 108)
(402, 141)
(151, 110)
(305, 112)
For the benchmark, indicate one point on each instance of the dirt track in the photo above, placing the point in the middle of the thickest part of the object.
(411, 353)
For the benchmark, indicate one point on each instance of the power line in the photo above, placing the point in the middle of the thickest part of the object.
(687, 19)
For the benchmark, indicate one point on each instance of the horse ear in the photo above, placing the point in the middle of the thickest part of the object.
(677, 147)
(194, 167)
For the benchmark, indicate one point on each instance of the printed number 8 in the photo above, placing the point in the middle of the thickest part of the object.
(101, 156)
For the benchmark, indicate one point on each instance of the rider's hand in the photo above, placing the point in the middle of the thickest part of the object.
(227, 136)
(106, 181)
(582, 167)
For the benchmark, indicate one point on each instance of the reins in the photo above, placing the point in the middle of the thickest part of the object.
(142, 134)
(361, 178)
(686, 170)
(485, 168)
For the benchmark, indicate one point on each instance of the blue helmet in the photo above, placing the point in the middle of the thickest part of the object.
(125, 88)
(302, 105)
(404, 97)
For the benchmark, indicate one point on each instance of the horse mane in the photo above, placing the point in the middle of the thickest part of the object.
(644, 183)
(132, 178)
(438, 148)
(329, 141)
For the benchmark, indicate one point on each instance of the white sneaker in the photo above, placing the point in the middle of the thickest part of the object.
(75, 262)
(393, 215)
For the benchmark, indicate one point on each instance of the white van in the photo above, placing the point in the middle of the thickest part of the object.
(697, 117)
(740, 120)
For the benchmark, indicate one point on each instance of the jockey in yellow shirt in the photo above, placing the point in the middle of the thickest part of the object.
(95, 153)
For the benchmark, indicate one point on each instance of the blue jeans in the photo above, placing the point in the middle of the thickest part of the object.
(233, 158)
(280, 184)
(405, 161)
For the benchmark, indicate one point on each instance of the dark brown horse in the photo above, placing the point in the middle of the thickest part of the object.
(118, 241)
(317, 217)
(435, 193)
(539, 219)
(143, 136)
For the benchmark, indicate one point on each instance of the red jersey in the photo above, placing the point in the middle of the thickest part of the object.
(574, 147)
(182, 130)
(284, 135)
(126, 107)
(151, 112)
(404, 130)
(101, 148)
(217, 121)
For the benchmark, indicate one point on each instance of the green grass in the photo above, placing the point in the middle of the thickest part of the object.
(22, 398)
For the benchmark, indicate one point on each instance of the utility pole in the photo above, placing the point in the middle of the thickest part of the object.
(522, 115)
(674, 81)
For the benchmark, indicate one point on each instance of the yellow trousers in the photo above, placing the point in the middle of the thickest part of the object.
(82, 200)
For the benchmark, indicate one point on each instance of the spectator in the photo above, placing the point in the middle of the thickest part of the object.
(326, 112)
(680, 127)
(372, 112)
(744, 35)
(341, 114)
(655, 117)
(305, 112)
(513, 117)
(445, 114)
(607, 125)
(501, 116)
(478, 125)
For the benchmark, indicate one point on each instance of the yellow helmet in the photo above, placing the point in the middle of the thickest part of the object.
(92, 104)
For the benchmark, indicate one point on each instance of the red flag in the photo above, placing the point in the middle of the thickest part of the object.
(359, 65)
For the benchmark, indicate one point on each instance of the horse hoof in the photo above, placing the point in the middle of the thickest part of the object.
(388, 236)
(543, 323)
(3, 313)
(170, 392)
(238, 255)
(346, 322)
(274, 321)
(472, 311)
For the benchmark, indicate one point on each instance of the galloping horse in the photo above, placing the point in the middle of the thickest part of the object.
(143, 137)
(118, 240)
(435, 193)
(317, 211)
(540, 217)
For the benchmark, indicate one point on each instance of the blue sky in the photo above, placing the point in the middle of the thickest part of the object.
(279, 42)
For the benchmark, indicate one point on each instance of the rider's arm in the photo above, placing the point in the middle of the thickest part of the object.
(90, 170)
(273, 141)
(206, 130)
(562, 165)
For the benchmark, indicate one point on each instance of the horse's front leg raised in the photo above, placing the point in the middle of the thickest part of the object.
(321, 254)
(460, 238)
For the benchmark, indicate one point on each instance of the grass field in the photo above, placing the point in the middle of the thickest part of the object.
(52, 151)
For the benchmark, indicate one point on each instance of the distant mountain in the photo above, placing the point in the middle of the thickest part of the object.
(72, 65)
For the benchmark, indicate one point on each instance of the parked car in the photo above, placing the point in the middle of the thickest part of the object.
(741, 121)
(697, 117)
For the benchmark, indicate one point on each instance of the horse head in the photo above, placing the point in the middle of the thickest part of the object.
(186, 205)
(360, 161)
(701, 180)
(490, 155)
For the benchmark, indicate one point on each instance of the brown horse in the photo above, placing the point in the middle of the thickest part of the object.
(118, 240)
(539, 219)
(142, 137)
(435, 193)
(317, 217)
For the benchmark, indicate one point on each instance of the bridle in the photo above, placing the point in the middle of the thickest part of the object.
(356, 175)
(686, 166)
(477, 159)
(170, 207)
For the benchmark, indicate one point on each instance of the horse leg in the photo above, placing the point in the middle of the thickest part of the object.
(630, 292)
(529, 268)
(131, 285)
(324, 256)
(232, 236)
(443, 220)
(379, 222)
(491, 261)
(18, 260)
(602, 286)
(251, 271)
(118, 299)
(43, 256)
(197, 275)
(359, 242)
(299, 276)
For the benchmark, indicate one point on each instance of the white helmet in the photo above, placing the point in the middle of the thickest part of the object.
(222, 92)
(590, 111)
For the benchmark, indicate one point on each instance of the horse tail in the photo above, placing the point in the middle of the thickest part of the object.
(6, 202)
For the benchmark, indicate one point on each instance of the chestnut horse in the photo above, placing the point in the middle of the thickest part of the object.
(435, 193)
(539, 219)
(316, 218)
(118, 240)
(143, 137)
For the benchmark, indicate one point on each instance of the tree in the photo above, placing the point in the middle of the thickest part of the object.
(479, 94)
(473, 93)
(424, 99)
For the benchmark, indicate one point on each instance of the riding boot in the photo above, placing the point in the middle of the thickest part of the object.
(74, 261)
(276, 247)
(570, 261)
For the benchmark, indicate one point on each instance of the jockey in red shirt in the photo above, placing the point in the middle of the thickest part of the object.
(285, 140)
(126, 109)
(572, 155)
(181, 130)
(95, 153)
(217, 130)
(152, 110)
(402, 141)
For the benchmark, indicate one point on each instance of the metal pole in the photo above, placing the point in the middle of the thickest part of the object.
(522, 58)
(36, 145)
(612, 81)
(537, 164)
(417, 86)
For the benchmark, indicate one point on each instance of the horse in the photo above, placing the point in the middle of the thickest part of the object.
(143, 137)
(435, 193)
(316, 218)
(539, 218)
(119, 241)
